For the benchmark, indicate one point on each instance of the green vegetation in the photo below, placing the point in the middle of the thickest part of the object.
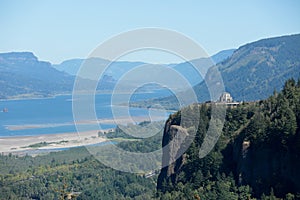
(135, 144)
(257, 156)
(44, 144)
(146, 145)
(56, 175)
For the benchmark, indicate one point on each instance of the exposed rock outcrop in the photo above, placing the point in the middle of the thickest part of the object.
(173, 138)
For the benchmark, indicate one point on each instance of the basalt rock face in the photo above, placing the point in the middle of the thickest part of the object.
(172, 160)
(172, 151)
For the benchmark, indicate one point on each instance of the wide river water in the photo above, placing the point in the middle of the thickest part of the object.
(54, 115)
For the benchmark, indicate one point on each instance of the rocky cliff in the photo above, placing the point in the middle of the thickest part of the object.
(172, 154)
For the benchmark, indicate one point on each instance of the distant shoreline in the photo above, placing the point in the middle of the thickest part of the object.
(33, 97)
(51, 96)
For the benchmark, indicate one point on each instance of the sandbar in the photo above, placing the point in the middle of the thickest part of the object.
(63, 140)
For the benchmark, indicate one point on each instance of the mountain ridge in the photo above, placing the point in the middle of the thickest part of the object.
(253, 72)
(257, 69)
(72, 66)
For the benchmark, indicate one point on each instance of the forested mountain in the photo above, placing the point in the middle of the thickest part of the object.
(256, 69)
(23, 75)
(257, 154)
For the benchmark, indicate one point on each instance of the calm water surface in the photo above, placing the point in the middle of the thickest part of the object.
(54, 115)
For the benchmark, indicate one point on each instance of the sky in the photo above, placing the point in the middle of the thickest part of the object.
(57, 30)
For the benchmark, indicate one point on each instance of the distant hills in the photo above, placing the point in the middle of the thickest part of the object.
(72, 66)
(118, 68)
(23, 75)
(187, 69)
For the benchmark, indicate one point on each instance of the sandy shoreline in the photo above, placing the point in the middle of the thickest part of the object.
(63, 140)
(14, 144)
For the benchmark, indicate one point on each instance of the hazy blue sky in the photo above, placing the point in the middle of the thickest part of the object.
(56, 30)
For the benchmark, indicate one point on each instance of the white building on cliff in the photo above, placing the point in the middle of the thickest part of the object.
(226, 98)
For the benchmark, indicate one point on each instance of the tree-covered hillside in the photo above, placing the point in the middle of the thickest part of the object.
(257, 155)
(256, 69)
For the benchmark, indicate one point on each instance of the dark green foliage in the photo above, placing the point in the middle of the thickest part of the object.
(146, 145)
(233, 170)
(134, 144)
